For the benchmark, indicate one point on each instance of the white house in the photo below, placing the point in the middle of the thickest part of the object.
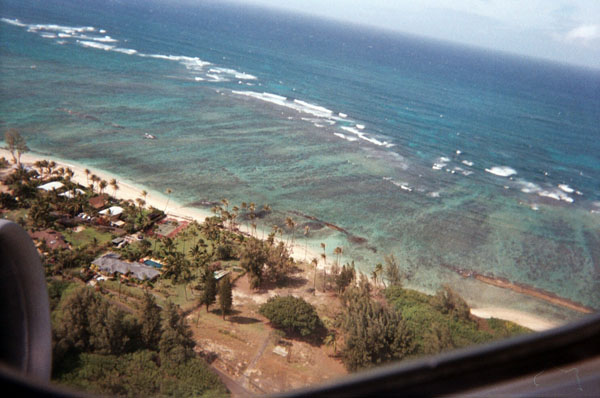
(51, 186)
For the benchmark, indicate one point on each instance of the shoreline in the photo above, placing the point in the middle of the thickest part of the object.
(523, 289)
(129, 190)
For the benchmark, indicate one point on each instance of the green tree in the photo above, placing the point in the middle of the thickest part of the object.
(253, 257)
(345, 277)
(374, 334)
(225, 295)
(291, 314)
(15, 143)
(392, 271)
(115, 187)
(176, 344)
(150, 322)
(447, 301)
(209, 293)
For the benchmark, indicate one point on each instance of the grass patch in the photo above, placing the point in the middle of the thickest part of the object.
(87, 236)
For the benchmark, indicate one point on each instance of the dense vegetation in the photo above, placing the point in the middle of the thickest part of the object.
(443, 322)
(292, 314)
(102, 349)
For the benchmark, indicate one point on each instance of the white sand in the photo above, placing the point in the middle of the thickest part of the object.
(522, 318)
(127, 190)
(130, 191)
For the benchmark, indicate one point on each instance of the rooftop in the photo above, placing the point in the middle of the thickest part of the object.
(51, 186)
(111, 264)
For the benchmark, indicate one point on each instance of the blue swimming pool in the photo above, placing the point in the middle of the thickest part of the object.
(153, 264)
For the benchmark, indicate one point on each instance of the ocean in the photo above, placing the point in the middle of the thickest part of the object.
(445, 156)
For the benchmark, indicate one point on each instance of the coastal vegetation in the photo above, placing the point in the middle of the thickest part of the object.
(119, 335)
(293, 315)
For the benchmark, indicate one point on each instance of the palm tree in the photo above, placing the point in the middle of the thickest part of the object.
(324, 257)
(87, 176)
(379, 272)
(306, 231)
(141, 202)
(169, 191)
(103, 184)
(69, 173)
(314, 262)
(234, 214)
(115, 187)
(94, 179)
(374, 276)
(225, 203)
(291, 224)
(337, 251)
(252, 207)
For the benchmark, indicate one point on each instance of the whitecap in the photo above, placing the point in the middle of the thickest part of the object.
(467, 163)
(528, 187)
(433, 194)
(351, 139)
(566, 188)
(245, 76)
(60, 28)
(360, 126)
(93, 44)
(313, 109)
(14, 22)
(556, 195)
(502, 171)
(48, 35)
(364, 136)
(342, 114)
(102, 39)
(128, 51)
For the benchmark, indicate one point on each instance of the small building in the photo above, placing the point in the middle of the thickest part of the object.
(97, 202)
(220, 274)
(69, 194)
(117, 223)
(52, 186)
(112, 211)
(119, 242)
(110, 264)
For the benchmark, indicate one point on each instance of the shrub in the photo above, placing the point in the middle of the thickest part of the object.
(292, 314)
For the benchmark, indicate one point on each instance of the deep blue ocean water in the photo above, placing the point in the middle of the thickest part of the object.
(439, 154)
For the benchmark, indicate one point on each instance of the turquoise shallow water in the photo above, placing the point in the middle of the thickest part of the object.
(441, 155)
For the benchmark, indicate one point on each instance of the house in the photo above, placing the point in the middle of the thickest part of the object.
(117, 224)
(110, 264)
(52, 186)
(220, 274)
(97, 202)
(69, 194)
(119, 242)
(112, 211)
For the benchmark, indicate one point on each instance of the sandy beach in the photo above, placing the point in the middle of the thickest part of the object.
(130, 191)
(519, 317)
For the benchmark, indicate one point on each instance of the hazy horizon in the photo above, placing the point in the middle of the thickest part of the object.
(563, 32)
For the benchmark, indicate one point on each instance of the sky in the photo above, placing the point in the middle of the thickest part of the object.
(567, 31)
